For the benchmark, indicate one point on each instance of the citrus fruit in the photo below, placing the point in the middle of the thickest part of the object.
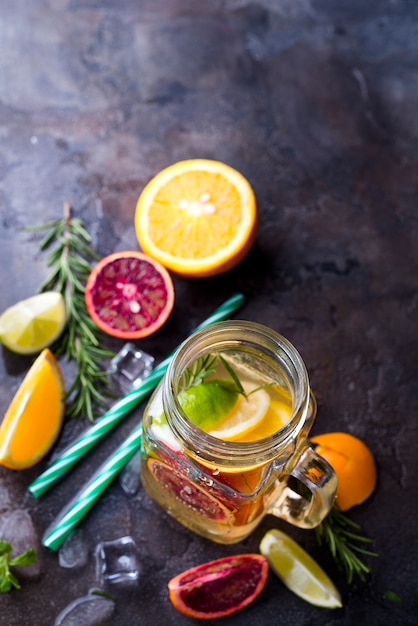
(129, 295)
(276, 416)
(33, 324)
(217, 408)
(34, 418)
(353, 463)
(219, 588)
(246, 414)
(188, 493)
(197, 217)
(207, 403)
(298, 570)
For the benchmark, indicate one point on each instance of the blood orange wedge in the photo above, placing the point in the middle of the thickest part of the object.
(219, 588)
(34, 418)
(129, 295)
(353, 463)
(197, 217)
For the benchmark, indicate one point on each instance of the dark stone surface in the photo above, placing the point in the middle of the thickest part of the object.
(316, 103)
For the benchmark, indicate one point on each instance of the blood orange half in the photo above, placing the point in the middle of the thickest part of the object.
(219, 588)
(129, 295)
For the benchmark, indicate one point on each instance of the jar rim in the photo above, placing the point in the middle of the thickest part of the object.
(245, 336)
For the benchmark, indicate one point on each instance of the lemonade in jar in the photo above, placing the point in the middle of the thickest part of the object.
(225, 435)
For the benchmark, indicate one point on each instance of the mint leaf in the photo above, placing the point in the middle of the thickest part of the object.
(5, 547)
(7, 579)
(27, 558)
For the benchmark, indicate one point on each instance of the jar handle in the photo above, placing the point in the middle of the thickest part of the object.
(307, 493)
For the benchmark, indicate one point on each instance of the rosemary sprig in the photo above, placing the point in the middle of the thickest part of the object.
(205, 366)
(70, 262)
(341, 536)
(200, 369)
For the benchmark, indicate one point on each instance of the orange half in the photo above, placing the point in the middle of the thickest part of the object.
(34, 418)
(198, 217)
(353, 463)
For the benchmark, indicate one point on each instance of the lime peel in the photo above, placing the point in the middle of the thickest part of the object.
(209, 402)
(298, 571)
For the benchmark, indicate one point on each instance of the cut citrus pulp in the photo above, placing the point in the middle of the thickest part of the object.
(220, 587)
(353, 463)
(197, 217)
(129, 295)
(33, 324)
(209, 402)
(247, 413)
(188, 493)
(34, 418)
(299, 571)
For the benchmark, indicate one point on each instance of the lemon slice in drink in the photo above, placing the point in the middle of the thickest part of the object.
(33, 324)
(244, 416)
(299, 571)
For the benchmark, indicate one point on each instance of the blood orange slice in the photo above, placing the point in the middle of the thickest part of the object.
(129, 295)
(188, 493)
(219, 588)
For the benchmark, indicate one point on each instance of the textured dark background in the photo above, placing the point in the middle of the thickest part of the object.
(315, 102)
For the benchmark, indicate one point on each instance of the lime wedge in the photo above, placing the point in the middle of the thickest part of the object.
(298, 570)
(207, 403)
(33, 324)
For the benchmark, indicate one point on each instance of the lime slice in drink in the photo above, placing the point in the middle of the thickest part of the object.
(33, 324)
(209, 402)
(298, 570)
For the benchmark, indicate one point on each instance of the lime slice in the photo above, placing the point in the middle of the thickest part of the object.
(33, 324)
(298, 570)
(207, 403)
(247, 413)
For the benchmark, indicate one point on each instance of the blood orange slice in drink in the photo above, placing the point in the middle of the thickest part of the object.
(189, 494)
(129, 295)
(219, 588)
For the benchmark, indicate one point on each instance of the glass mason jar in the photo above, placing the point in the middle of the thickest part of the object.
(222, 489)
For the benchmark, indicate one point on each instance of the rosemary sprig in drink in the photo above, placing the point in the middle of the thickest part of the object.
(70, 262)
(342, 538)
(205, 366)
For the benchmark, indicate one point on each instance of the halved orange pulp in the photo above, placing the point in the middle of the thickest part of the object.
(353, 463)
(34, 418)
(197, 217)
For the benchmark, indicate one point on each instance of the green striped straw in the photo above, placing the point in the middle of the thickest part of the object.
(82, 502)
(123, 406)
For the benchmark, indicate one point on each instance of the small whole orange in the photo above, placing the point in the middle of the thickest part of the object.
(354, 464)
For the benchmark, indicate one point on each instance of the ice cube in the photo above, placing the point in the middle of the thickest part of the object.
(74, 551)
(5, 501)
(116, 561)
(130, 366)
(90, 610)
(17, 528)
(129, 477)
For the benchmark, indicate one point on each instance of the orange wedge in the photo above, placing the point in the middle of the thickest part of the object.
(198, 218)
(34, 418)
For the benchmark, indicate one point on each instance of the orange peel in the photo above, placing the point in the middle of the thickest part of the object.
(353, 463)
